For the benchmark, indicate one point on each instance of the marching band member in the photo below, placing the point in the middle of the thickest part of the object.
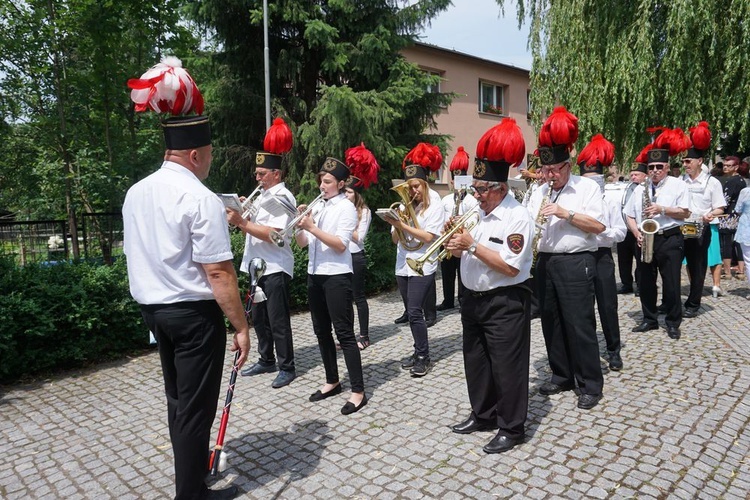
(628, 249)
(669, 205)
(592, 160)
(327, 234)
(429, 214)
(364, 171)
(455, 204)
(566, 267)
(272, 317)
(706, 202)
(495, 266)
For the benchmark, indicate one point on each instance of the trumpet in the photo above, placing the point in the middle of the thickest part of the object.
(435, 252)
(248, 206)
(278, 237)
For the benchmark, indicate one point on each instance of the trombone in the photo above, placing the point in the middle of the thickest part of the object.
(278, 237)
(435, 252)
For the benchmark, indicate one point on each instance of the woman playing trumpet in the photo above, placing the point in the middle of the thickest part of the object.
(429, 221)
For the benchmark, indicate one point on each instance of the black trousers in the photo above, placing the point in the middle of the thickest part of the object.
(496, 344)
(627, 250)
(696, 257)
(413, 290)
(272, 321)
(330, 299)
(605, 288)
(359, 263)
(449, 269)
(667, 261)
(192, 342)
(566, 298)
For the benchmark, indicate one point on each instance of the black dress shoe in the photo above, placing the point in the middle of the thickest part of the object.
(444, 307)
(430, 322)
(350, 407)
(588, 401)
(284, 377)
(408, 362)
(644, 327)
(623, 289)
(500, 444)
(690, 313)
(550, 388)
(615, 361)
(224, 493)
(472, 425)
(320, 396)
(673, 332)
(404, 318)
(257, 369)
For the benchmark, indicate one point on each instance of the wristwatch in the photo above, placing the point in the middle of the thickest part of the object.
(571, 214)
(472, 248)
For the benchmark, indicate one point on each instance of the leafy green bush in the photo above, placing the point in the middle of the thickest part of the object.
(64, 316)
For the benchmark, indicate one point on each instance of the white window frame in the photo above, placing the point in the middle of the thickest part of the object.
(430, 89)
(497, 88)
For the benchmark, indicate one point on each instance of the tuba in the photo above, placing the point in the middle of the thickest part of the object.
(407, 215)
(435, 250)
(648, 227)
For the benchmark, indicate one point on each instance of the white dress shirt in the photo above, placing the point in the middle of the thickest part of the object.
(362, 227)
(432, 221)
(339, 217)
(581, 195)
(509, 231)
(670, 192)
(706, 194)
(278, 259)
(449, 204)
(615, 228)
(172, 224)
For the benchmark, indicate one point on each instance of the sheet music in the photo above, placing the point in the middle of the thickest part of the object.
(385, 213)
(278, 206)
(231, 201)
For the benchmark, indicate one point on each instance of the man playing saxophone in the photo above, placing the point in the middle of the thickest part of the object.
(271, 318)
(495, 258)
(668, 204)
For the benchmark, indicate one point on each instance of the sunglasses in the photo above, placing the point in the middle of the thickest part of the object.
(478, 190)
(657, 167)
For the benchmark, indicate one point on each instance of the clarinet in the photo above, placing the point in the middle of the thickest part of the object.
(540, 222)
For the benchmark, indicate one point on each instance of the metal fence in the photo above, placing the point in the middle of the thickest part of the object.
(49, 241)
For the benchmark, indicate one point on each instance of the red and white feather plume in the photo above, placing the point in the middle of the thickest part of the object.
(700, 136)
(503, 142)
(674, 140)
(425, 155)
(362, 165)
(166, 88)
(643, 155)
(278, 138)
(560, 128)
(460, 160)
(599, 150)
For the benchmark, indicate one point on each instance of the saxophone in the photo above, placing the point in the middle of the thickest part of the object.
(648, 227)
(540, 222)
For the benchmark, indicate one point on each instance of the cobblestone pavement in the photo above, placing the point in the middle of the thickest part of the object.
(673, 423)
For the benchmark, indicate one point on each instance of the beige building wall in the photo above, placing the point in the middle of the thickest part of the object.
(462, 73)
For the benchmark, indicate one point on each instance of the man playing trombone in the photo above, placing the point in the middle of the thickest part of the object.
(495, 265)
(271, 318)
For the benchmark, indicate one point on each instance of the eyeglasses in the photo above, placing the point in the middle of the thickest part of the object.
(261, 173)
(556, 170)
(657, 167)
(481, 190)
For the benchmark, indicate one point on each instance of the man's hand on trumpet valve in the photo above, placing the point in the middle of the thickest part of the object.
(459, 242)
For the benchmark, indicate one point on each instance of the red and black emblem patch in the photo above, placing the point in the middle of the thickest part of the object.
(515, 243)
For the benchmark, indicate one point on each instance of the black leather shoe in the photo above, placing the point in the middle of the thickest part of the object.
(500, 444)
(444, 307)
(588, 401)
(550, 388)
(404, 318)
(644, 327)
(224, 493)
(472, 425)
(430, 322)
(257, 369)
(422, 366)
(690, 313)
(350, 407)
(673, 332)
(622, 289)
(320, 396)
(284, 377)
(408, 362)
(615, 361)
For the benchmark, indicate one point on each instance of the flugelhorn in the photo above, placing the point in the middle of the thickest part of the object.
(278, 237)
(248, 206)
(435, 251)
(406, 213)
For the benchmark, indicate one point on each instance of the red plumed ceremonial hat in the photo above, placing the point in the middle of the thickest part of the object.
(423, 155)
(500, 148)
(596, 155)
(700, 139)
(460, 162)
(278, 141)
(670, 142)
(363, 166)
(557, 136)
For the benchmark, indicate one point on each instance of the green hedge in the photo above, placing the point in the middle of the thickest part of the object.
(67, 315)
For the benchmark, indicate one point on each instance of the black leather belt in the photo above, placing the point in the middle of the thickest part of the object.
(669, 232)
(487, 293)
